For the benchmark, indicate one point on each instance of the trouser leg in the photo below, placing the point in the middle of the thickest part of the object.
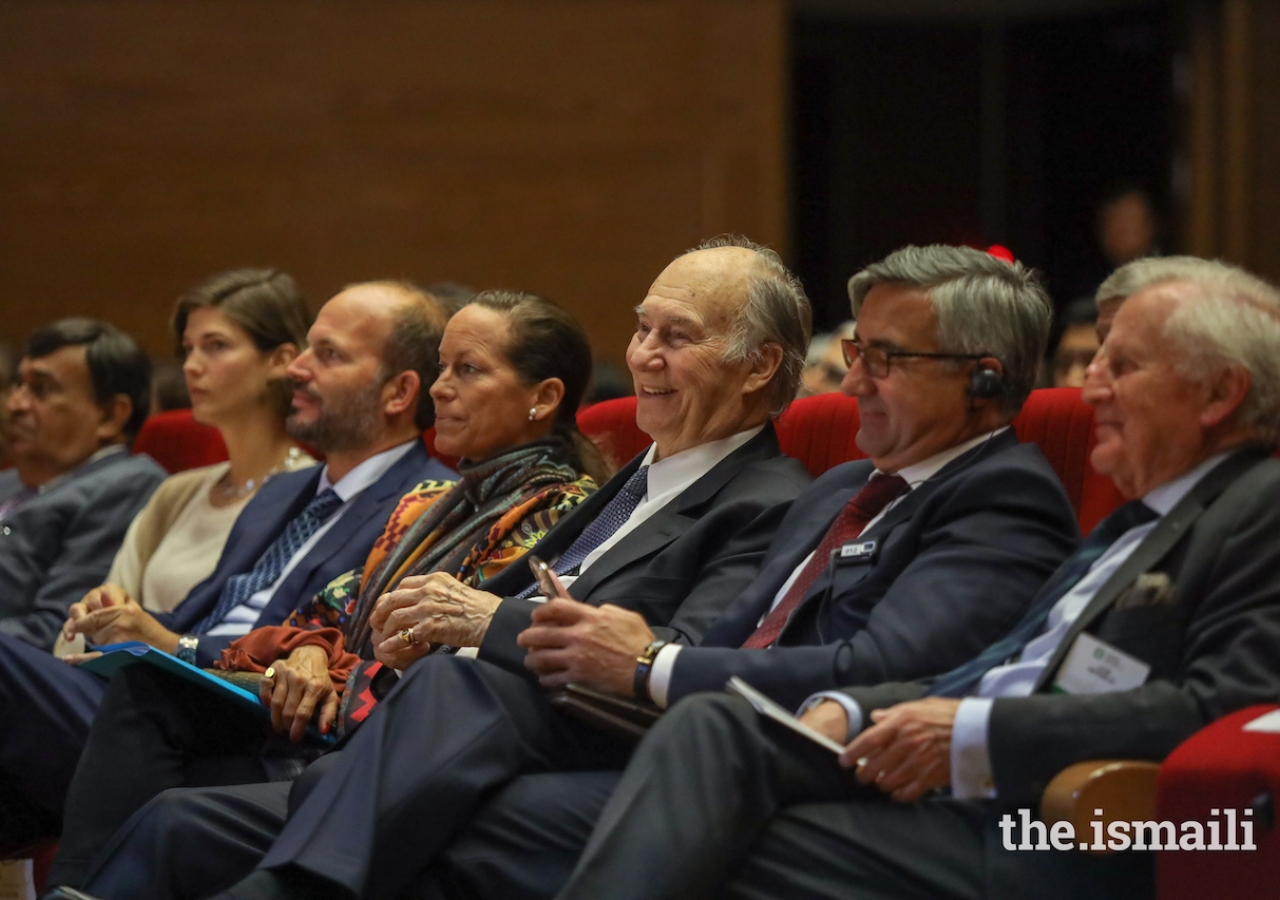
(523, 843)
(190, 843)
(153, 731)
(46, 707)
(700, 789)
(452, 732)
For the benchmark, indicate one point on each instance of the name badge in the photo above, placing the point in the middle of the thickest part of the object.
(1092, 666)
(862, 551)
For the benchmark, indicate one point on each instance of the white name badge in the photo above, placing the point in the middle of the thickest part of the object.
(1094, 667)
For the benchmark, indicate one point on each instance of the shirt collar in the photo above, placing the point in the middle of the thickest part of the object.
(917, 474)
(100, 453)
(689, 465)
(1167, 495)
(365, 474)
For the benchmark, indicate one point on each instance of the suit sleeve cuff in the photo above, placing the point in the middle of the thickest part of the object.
(971, 776)
(852, 709)
(660, 674)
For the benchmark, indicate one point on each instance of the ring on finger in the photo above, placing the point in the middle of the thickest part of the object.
(407, 635)
(270, 673)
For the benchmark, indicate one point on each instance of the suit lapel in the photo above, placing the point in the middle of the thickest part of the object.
(668, 523)
(1153, 548)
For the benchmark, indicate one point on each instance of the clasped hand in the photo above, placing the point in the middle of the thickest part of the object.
(108, 615)
(593, 646)
(906, 752)
(299, 688)
(425, 610)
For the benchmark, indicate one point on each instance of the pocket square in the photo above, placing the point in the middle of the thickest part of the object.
(1148, 589)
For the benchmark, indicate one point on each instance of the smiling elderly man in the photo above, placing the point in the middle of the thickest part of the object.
(65, 506)
(1179, 591)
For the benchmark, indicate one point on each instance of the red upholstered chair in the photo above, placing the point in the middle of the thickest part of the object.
(1222, 767)
(820, 432)
(178, 442)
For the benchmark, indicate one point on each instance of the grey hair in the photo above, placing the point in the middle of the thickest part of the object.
(1232, 317)
(1135, 276)
(776, 311)
(984, 306)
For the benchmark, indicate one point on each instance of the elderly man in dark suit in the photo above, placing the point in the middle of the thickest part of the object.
(942, 429)
(1167, 618)
(80, 399)
(359, 397)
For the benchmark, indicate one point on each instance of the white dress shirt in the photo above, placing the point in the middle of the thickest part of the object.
(241, 619)
(915, 475)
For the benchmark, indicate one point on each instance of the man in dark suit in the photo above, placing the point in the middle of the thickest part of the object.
(81, 396)
(1166, 619)
(927, 422)
(359, 397)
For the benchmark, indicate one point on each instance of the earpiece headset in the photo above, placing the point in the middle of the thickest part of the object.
(985, 382)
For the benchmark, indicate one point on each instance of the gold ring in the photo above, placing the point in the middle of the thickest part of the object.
(270, 673)
(408, 637)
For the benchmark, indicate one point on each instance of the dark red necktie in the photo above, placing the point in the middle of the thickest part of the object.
(878, 493)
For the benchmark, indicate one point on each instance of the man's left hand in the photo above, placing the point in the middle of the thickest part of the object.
(430, 609)
(594, 646)
(907, 751)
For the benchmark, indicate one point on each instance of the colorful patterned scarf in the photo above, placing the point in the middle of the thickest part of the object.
(456, 532)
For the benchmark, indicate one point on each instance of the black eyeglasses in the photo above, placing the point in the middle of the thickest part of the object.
(876, 360)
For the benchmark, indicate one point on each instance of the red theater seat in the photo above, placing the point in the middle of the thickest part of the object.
(178, 442)
(821, 431)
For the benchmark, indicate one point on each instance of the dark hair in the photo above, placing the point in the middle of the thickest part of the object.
(117, 365)
(547, 342)
(266, 303)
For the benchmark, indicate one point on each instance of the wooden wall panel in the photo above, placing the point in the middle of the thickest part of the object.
(568, 147)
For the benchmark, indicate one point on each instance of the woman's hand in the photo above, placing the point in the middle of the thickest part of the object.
(108, 615)
(426, 610)
(298, 688)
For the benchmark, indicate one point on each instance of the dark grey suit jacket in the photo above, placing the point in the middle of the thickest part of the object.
(1212, 640)
(954, 566)
(60, 543)
(705, 545)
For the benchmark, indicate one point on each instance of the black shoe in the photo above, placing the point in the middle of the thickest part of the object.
(65, 893)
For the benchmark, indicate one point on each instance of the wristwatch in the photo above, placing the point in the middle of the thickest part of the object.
(187, 644)
(644, 666)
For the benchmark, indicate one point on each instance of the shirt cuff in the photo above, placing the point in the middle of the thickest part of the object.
(660, 674)
(852, 709)
(971, 776)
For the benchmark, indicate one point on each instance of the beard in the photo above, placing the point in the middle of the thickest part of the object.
(342, 424)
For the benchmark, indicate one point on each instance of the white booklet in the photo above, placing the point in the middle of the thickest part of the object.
(766, 707)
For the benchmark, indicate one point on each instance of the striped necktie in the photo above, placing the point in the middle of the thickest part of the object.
(962, 679)
(864, 506)
(611, 518)
(239, 588)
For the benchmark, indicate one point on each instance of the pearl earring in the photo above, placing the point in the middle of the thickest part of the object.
(533, 413)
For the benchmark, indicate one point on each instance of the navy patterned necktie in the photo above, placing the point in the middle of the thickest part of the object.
(611, 518)
(962, 679)
(239, 588)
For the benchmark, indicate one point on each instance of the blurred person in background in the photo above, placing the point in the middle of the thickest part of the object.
(824, 366)
(81, 396)
(1128, 225)
(168, 386)
(1078, 344)
(237, 333)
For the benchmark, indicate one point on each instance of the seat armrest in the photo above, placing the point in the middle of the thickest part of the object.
(1124, 789)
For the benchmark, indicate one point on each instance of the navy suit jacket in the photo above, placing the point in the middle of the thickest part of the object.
(954, 566)
(60, 543)
(682, 566)
(343, 548)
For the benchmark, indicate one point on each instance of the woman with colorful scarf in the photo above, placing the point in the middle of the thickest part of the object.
(513, 368)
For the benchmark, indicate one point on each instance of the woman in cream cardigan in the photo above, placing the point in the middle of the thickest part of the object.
(237, 333)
